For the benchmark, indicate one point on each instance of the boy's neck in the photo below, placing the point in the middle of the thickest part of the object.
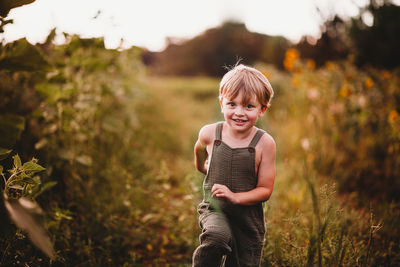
(238, 135)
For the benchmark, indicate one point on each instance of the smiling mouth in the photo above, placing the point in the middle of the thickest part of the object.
(238, 120)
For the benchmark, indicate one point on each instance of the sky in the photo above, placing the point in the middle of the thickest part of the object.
(147, 23)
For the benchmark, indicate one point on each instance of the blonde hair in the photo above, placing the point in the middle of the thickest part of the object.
(248, 80)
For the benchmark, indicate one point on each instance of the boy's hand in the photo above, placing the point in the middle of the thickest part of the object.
(219, 190)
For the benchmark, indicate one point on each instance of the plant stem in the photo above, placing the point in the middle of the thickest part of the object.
(5, 181)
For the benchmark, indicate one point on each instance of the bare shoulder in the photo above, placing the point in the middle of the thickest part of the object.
(207, 133)
(267, 144)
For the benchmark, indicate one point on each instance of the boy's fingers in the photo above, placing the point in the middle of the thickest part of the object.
(216, 190)
(215, 187)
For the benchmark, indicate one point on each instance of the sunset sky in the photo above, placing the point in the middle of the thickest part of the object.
(148, 23)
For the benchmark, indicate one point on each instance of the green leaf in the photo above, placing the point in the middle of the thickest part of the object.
(37, 179)
(23, 56)
(7, 5)
(48, 185)
(17, 161)
(50, 91)
(45, 187)
(54, 93)
(4, 153)
(26, 215)
(32, 167)
(11, 127)
(50, 38)
(29, 180)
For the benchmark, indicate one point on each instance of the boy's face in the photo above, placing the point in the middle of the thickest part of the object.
(241, 116)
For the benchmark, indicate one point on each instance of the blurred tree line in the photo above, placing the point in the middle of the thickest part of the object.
(375, 44)
(209, 52)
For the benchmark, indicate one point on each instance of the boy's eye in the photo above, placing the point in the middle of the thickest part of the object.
(250, 106)
(231, 104)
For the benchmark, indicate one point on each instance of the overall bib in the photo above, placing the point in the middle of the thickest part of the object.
(233, 230)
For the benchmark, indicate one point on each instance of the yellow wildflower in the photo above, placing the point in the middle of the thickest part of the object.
(393, 115)
(295, 82)
(330, 65)
(345, 91)
(311, 64)
(291, 56)
(149, 247)
(385, 74)
(368, 83)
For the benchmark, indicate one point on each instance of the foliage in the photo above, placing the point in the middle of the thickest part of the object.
(20, 190)
(22, 186)
(7, 5)
(334, 43)
(22, 182)
(352, 126)
(108, 144)
(21, 55)
(344, 38)
(340, 126)
(383, 51)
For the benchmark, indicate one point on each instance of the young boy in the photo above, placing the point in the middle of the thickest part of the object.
(239, 162)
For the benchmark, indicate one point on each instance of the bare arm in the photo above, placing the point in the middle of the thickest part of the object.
(200, 156)
(266, 179)
(200, 148)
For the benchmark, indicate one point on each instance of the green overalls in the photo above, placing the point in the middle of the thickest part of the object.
(233, 230)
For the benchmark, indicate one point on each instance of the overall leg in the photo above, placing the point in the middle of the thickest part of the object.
(248, 249)
(215, 240)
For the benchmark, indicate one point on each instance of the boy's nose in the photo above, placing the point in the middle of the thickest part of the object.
(239, 111)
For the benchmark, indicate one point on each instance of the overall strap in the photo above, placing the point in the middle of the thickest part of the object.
(218, 131)
(256, 138)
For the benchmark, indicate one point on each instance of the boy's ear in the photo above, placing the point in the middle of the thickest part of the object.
(220, 102)
(263, 109)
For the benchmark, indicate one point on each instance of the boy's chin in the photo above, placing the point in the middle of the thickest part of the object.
(239, 123)
(241, 126)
